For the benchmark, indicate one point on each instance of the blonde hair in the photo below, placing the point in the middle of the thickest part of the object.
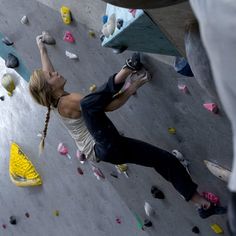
(41, 92)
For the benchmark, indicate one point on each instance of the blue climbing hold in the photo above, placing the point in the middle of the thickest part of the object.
(104, 19)
(182, 67)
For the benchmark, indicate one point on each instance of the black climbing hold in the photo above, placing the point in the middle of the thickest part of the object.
(114, 175)
(119, 23)
(13, 220)
(195, 230)
(157, 193)
(7, 41)
(11, 61)
(102, 36)
(2, 98)
(147, 223)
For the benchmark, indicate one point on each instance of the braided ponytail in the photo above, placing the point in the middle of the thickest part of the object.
(42, 142)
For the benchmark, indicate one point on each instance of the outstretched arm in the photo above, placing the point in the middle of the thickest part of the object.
(46, 63)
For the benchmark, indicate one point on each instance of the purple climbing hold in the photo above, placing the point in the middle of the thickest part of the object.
(119, 23)
(11, 61)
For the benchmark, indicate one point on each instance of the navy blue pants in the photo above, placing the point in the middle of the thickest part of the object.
(116, 149)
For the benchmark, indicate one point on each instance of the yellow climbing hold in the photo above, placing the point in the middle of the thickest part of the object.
(8, 83)
(122, 167)
(21, 170)
(172, 130)
(66, 15)
(92, 88)
(56, 213)
(217, 229)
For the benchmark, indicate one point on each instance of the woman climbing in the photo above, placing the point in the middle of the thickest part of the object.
(97, 137)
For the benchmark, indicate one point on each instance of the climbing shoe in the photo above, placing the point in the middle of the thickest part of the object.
(134, 62)
(212, 210)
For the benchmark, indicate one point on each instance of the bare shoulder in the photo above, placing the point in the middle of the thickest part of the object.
(69, 106)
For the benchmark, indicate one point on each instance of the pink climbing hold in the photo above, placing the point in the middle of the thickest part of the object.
(133, 12)
(183, 88)
(63, 150)
(211, 197)
(68, 37)
(98, 173)
(211, 107)
(4, 226)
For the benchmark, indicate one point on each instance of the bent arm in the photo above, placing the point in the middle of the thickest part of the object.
(119, 101)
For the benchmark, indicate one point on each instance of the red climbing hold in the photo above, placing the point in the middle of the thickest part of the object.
(133, 12)
(68, 37)
(80, 171)
(183, 88)
(211, 107)
(211, 197)
(98, 173)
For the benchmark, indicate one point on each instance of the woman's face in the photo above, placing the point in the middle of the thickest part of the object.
(55, 80)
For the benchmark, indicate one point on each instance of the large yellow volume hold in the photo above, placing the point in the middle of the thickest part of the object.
(21, 170)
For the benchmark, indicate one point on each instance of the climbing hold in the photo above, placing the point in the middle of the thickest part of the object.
(211, 197)
(147, 223)
(63, 150)
(98, 173)
(27, 214)
(217, 170)
(183, 88)
(114, 175)
(92, 34)
(47, 38)
(2, 98)
(122, 168)
(119, 50)
(211, 107)
(4, 226)
(157, 193)
(104, 19)
(148, 209)
(71, 55)
(66, 15)
(7, 41)
(92, 88)
(182, 67)
(11, 61)
(68, 37)
(139, 221)
(119, 23)
(102, 36)
(21, 170)
(56, 213)
(8, 83)
(133, 12)
(24, 20)
(195, 230)
(12, 220)
(80, 171)
(217, 229)
(172, 130)
(109, 28)
(118, 221)
(80, 156)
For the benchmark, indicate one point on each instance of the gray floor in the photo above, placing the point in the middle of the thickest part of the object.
(87, 206)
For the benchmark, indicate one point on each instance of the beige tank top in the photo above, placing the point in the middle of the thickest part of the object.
(79, 132)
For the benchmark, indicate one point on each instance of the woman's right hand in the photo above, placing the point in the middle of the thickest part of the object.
(138, 82)
(40, 43)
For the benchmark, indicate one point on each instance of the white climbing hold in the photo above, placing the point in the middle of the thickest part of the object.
(71, 55)
(24, 20)
(183, 88)
(148, 209)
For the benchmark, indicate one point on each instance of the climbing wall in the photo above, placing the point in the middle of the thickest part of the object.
(69, 203)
